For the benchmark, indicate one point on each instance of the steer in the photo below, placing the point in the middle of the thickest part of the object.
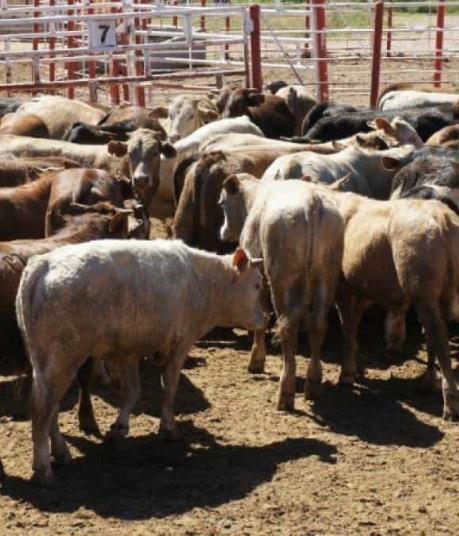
(298, 233)
(129, 299)
(187, 114)
(35, 209)
(370, 172)
(269, 112)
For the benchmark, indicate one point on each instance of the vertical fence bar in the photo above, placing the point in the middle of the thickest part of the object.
(203, 18)
(71, 66)
(320, 48)
(255, 47)
(389, 32)
(439, 43)
(114, 71)
(378, 21)
(227, 30)
(139, 63)
(307, 27)
(36, 27)
(92, 71)
(51, 46)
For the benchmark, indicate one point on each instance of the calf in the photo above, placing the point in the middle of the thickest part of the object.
(298, 233)
(299, 100)
(326, 109)
(120, 316)
(269, 112)
(88, 134)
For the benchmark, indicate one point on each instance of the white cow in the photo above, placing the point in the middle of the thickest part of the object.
(410, 98)
(187, 114)
(123, 300)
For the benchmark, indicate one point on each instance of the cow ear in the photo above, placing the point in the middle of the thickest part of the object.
(117, 148)
(207, 115)
(160, 112)
(240, 260)
(360, 140)
(343, 184)
(256, 99)
(390, 163)
(127, 192)
(74, 209)
(168, 150)
(232, 185)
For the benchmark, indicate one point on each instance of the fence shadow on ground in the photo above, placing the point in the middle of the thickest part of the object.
(144, 478)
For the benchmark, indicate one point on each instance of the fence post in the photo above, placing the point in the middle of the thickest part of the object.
(203, 18)
(378, 21)
(320, 48)
(439, 43)
(389, 32)
(255, 47)
(71, 66)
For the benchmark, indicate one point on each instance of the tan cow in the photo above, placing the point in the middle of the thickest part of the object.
(298, 233)
(56, 113)
(187, 114)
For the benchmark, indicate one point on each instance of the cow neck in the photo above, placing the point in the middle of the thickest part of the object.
(215, 275)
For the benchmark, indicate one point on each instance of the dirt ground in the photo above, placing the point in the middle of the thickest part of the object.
(374, 460)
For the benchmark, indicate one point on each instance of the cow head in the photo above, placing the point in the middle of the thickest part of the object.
(187, 114)
(244, 296)
(240, 100)
(143, 150)
(237, 193)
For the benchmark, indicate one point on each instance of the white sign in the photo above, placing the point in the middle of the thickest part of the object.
(102, 35)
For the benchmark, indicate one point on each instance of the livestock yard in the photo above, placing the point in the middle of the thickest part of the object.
(195, 120)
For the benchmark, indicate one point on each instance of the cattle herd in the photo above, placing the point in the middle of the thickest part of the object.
(279, 206)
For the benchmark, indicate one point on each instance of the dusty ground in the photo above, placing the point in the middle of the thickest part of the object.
(376, 460)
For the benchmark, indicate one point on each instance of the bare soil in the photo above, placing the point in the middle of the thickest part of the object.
(373, 460)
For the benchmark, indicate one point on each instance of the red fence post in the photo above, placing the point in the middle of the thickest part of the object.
(36, 27)
(71, 66)
(318, 14)
(389, 32)
(439, 43)
(378, 22)
(203, 18)
(255, 47)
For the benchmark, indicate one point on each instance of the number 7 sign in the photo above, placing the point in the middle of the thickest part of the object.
(102, 35)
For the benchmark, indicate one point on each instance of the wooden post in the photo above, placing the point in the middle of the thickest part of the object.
(203, 18)
(378, 21)
(439, 38)
(389, 32)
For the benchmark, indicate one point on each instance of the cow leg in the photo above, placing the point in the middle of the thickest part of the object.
(49, 385)
(129, 370)
(350, 311)
(287, 384)
(171, 376)
(317, 327)
(437, 339)
(395, 329)
(86, 419)
(258, 353)
(427, 381)
(59, 449)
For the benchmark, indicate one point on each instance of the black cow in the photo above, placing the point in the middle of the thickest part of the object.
(426, 121)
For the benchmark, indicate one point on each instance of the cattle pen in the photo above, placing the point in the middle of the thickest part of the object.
(373, 456)
(131, 50)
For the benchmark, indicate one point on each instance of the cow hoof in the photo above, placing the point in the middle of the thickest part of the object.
(346, 380)
(427, 382)
(312, 390)
(45, 477)
(89, 427)
(449, 415)
(286, 402)
(63, 457)
(170, 436)
(115, 434)
(256, 367)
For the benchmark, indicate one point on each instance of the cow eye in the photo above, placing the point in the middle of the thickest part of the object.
(258, 286)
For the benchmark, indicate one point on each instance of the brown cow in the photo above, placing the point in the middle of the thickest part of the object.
(198, 216)
(444, 136)
(33, 210)
(15, 172)
(24, 124)
(269, 112)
